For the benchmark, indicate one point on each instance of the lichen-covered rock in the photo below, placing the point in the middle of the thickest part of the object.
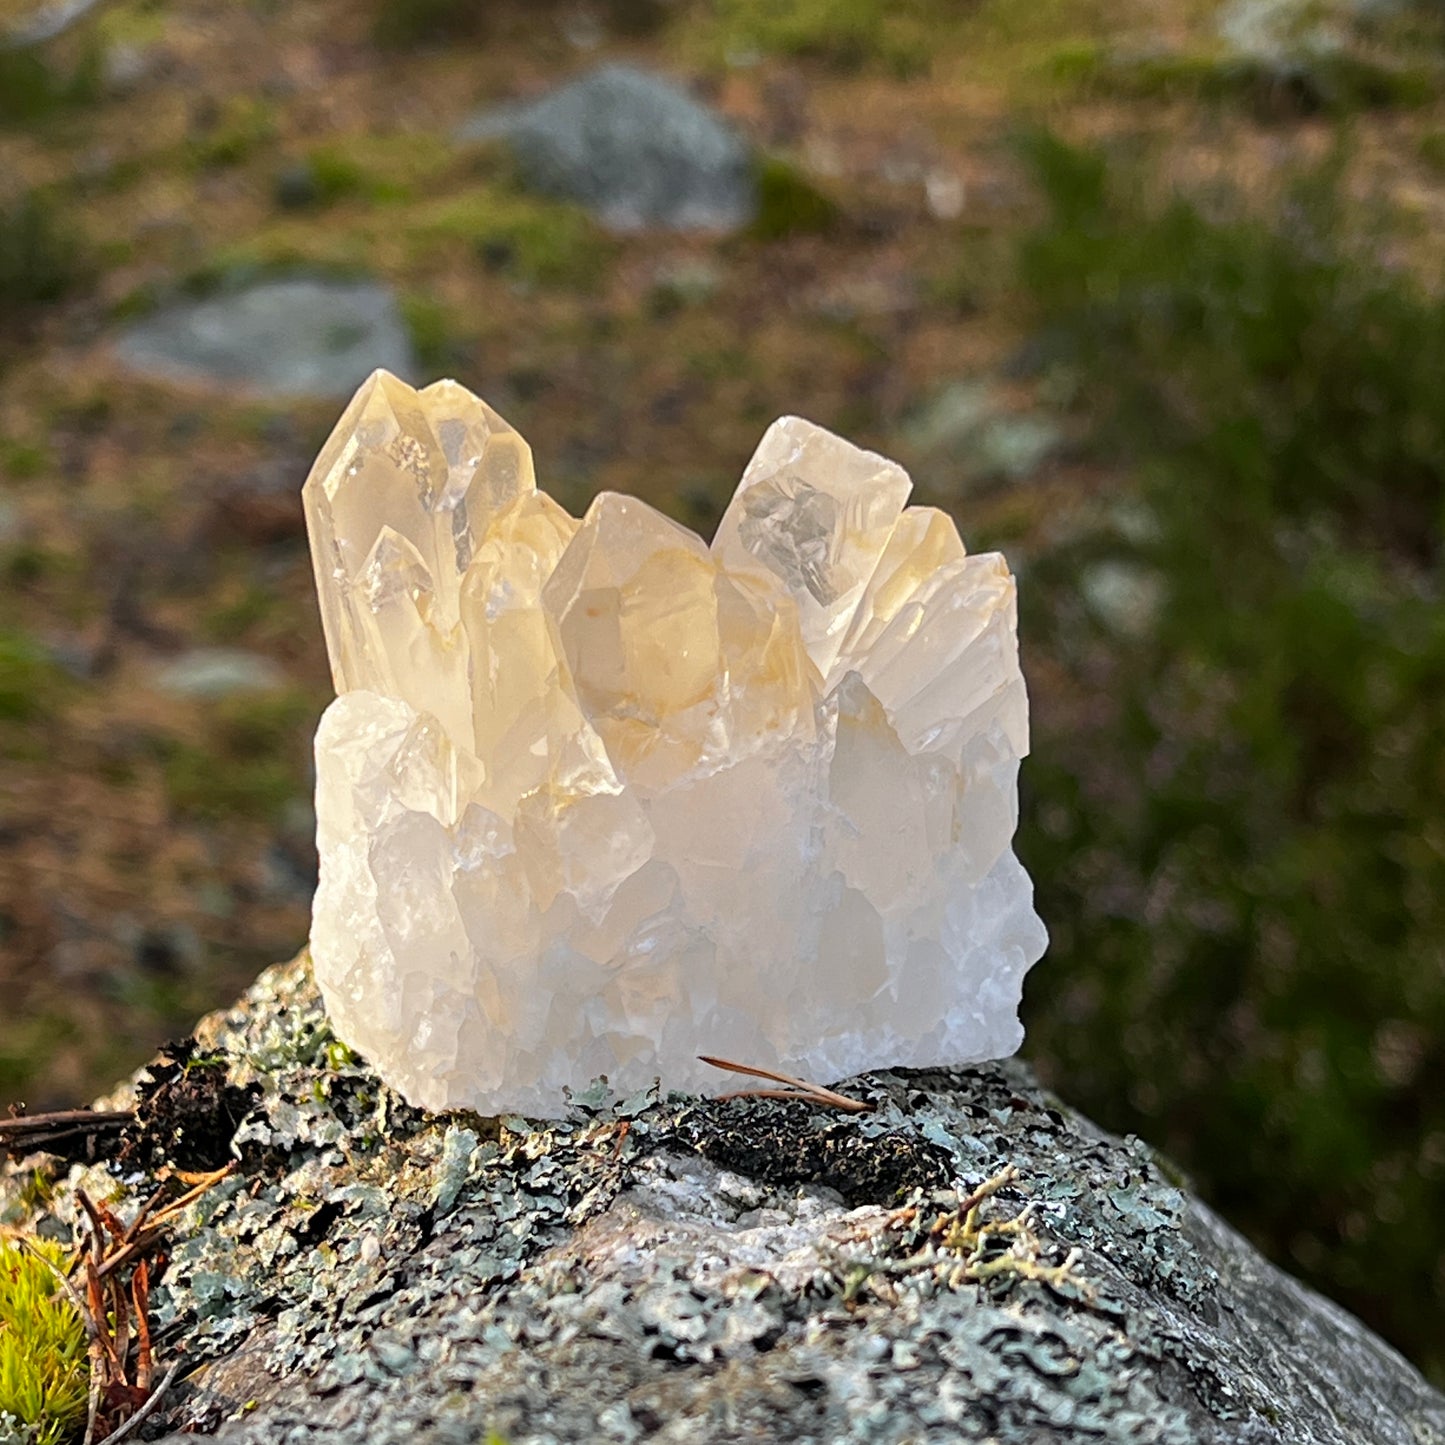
(685, 1270)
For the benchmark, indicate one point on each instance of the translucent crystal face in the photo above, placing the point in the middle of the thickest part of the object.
(595, 798)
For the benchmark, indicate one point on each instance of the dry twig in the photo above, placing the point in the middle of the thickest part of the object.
(80, 1135)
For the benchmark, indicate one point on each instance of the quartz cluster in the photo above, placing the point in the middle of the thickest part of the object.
(595, 798)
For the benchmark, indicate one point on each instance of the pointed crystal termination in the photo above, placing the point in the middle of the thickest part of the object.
(595, 798)
(816, 513)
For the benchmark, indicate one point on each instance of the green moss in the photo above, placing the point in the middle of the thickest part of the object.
(1431, 150)
(43, 1366)
(30, 682)
(789, 204)
(331, 175)
(245, 126)
(539, 241)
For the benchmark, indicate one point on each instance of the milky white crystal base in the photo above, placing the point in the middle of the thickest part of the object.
(594, 798)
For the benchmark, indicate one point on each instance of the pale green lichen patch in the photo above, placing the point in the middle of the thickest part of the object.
(967, 1260)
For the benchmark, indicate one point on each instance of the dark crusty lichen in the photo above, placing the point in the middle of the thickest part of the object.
(669, 1269)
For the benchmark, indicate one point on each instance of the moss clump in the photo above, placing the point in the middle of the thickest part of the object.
(29, 680)
(542, 242)
(244, 127)
(789, 204)
(43, 1371)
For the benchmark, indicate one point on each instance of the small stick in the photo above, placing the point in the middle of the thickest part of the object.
(152, 1203)
(140, 1290)
(798, 1088)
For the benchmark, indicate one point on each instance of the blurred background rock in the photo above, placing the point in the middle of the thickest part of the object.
(1147, 291)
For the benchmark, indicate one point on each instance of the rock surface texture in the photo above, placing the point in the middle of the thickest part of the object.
(633, 148)
(675, 1269)
(597, 798)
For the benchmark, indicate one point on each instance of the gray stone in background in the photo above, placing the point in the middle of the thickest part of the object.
(714, 1272)
(211, 673)
(296, 337)
(633, 148)
(47, 21)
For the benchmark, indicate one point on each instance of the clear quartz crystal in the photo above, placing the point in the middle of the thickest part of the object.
(595, 798)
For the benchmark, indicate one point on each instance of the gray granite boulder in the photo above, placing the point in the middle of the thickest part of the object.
(211, 673)
(293, 337)
(633, 148)
(675, 1269)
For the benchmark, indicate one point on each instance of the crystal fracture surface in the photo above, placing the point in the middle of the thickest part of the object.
(595, 798)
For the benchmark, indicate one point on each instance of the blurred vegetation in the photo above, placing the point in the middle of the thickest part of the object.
(789, 204)
(249, 765)
(39, 254)
(845, 33)
(34, 88)
(1238, 843)
(30, 683)
(529, 238)
(1336, 82)
(403, 24)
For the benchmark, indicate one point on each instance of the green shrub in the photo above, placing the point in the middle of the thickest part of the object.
(1236, 825)
(43, 1364)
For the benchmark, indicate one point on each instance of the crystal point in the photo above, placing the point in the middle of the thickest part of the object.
(597, 798)
(816, 513)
